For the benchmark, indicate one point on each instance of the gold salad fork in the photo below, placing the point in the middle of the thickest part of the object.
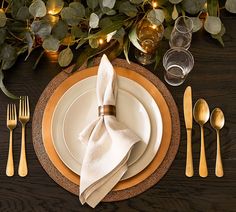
(11, 124)
(24, 116)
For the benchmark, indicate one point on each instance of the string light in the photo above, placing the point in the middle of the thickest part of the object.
(100, 41)
(154, 4)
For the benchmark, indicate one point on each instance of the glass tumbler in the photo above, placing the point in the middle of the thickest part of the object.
(149, 35)
(181, 34)
(178, 62)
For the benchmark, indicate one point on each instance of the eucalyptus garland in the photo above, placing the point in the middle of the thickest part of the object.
(92, 26)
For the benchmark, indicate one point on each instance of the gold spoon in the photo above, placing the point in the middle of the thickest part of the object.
(217, 122)
(201, 115)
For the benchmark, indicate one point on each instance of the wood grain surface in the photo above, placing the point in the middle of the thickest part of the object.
(213, 78)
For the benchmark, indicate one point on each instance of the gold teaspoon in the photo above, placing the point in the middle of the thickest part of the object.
(217, 122)
(201, 115)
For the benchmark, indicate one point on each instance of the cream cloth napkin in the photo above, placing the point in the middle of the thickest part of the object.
(109, 143)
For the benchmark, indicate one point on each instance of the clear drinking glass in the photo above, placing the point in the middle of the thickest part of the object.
(181, 34)
(149, 35)
(178, 62)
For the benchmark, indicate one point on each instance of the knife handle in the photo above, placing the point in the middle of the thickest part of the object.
(189, 157)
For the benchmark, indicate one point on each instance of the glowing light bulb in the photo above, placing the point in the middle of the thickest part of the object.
(100, 41)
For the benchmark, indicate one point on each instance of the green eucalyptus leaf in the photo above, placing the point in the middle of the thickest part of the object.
(105, 22)
(54, 6)
(15, 6)
(65, 57)
(23, 14)
(51, 44)
(128, 9)
(60, 30)
(167, 32)
(212, 25)
(92, 4)
(8, 52)
(212, 7)
(136, 1)
(193, 7)
(38, 8)
(3, 88)
(110, 35)
(156, 16)
(93, 20)
(41, 28)
(108, 11)
(3, 18)
(77, 32)
(108, 3)
(134, 40)
(230, 5)
(219, 35)
(175, 1)
(119, 35)
(175, 13)
(70, 16)
(93, 43)
(3, 34)
(79, 8)
(197, 24)
(126, 50)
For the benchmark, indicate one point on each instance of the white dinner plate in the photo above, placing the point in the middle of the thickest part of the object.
(84, 110)
(125, 84)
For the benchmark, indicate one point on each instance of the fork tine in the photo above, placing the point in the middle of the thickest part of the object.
(14, 112)
(20, 106)
(8, 112)
(27, 104)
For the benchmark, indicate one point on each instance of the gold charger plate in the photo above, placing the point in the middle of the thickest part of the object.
(69, 180)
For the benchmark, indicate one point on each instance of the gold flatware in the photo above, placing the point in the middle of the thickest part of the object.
(217, 122)
(188, 117)
(201, 115)
(24, 116)
(11, 124)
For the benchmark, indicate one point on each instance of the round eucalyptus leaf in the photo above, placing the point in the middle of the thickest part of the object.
(108, 3)
(77, 32)
(156, 16)
(193, 7)
(3, 18)
(197, 24)
(175, 13)
(136, 1)
(23, 14)
(3, 34)
(92, 4)
(175, 1)
(128, 9)
(60, 30)
(41, 28)
(51, 44)
(8, 52)
(93, 20)
(167, 32)
(54, 6)
(37, 8)
(230, 5)
(79, 8)
(111, 12)
(212, 25)
(65, 57)
(69, 15)
(110, 35)
(93, 43)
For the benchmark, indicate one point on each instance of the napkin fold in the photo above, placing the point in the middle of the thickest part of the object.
(109, 143)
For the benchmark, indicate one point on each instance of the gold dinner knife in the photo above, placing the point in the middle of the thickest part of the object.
(188, 117)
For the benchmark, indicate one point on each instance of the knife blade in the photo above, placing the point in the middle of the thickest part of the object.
(188, 118)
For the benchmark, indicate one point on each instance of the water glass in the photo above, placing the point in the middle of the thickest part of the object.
(149, 35)
(181, 34)
(178, 62)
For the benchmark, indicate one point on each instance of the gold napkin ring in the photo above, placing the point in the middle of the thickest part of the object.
(107, 110)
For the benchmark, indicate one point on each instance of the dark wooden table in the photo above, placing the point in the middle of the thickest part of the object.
(213, 78)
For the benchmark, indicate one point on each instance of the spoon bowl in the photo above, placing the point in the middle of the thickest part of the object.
(201, 112)
(217, 119)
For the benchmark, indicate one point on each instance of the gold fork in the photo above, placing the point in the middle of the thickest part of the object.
(11, 124)
(24, 116)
